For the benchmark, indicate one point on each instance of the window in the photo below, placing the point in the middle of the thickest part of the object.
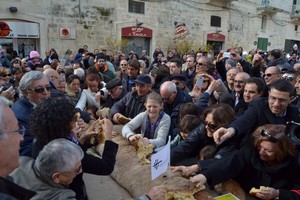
(136, 7)
(215, 21)
(296, 27)
(263, 22)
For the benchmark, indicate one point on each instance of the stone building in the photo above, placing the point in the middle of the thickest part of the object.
(146, 24)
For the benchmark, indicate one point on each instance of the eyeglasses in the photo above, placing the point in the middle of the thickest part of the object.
(78, 170)
(268, 75)
(270, 137)
(40, 90)
(5, 75)
(123, 64)
(239, 82)
(21, 130)
(166, 99)
(280, 101)
(210, 125)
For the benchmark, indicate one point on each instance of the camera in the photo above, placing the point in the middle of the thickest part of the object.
(8, 85)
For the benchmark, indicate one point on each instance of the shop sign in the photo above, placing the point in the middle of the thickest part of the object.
(14, 29)
(67, 33)
(137, 31)
(216, 37)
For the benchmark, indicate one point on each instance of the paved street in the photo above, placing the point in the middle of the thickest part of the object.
(104, 188)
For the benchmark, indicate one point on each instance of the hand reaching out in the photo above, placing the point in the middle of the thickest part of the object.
(223, 134)
(268, 193)
(134, 138)
(186, 171)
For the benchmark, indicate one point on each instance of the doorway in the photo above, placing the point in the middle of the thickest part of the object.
(136, 44)
(262, 43)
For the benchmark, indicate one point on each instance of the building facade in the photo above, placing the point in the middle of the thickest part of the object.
(145, 24)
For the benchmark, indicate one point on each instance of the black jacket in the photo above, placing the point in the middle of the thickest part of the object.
(194, 143)
(246, 167)
(258, 114)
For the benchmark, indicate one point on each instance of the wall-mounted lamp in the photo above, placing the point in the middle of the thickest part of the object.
(138, 23)
(13, 9)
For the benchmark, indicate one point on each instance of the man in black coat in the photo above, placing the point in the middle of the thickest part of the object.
(173, 98)
(276, 109)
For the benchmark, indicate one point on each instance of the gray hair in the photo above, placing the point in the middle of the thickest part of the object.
(60, 155)
(28, 78)
(170, 86)
(80, 73)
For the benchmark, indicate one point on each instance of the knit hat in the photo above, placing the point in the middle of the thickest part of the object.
(34, 54)
(101, 56)
(295, 46)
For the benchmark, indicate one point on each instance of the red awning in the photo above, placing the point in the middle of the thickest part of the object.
(137, 31)
(216, 37)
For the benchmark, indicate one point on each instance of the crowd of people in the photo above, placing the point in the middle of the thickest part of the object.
(225, 112)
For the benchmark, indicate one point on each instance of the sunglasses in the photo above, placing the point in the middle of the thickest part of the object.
(123, 64)
(270, 137)
(5, 75)
(210, 125)
(200, 64)
(40, 90)
(268, 75)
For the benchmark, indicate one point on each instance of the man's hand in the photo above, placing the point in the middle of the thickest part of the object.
(223, 134)
(116, 116)
(186, 171)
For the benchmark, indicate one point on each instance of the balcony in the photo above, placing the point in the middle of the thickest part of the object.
(219, 2)
(295, 14)
(269, 6)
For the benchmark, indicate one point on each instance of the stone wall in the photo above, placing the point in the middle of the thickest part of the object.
(97, 20)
